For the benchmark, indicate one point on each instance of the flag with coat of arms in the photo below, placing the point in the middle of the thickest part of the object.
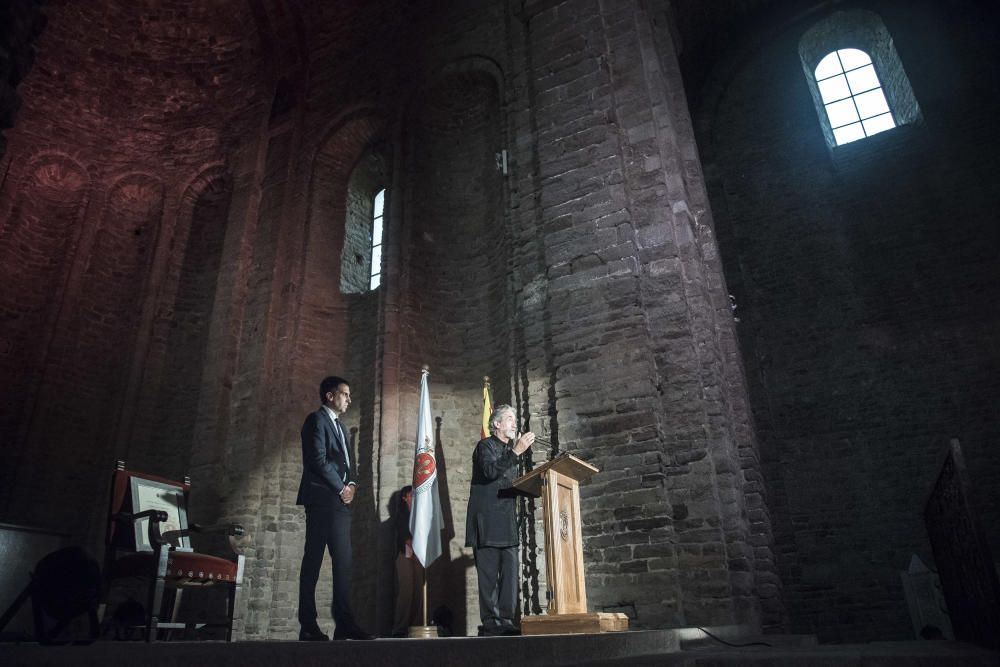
(426, 520)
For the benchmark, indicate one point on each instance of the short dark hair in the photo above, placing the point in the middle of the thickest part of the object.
(406, 489)
(330, 384)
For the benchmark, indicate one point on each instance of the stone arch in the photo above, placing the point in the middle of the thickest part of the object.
(454, 292)
(180, 359)
(110, 285)
(345, 143)
(338, 332)
(367, 178)
(91, 352)
(37, 239)
(477, 63)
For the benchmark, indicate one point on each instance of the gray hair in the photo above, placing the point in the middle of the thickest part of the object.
(497, 415)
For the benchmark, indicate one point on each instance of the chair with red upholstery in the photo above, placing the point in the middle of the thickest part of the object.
(148, 537)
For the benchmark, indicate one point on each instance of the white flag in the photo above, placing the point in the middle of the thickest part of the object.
(425, 516)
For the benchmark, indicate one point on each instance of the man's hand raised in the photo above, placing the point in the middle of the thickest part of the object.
(524, 443)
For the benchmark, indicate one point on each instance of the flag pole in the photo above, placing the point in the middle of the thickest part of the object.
(425, 599)
(425, 370)
(425, 457)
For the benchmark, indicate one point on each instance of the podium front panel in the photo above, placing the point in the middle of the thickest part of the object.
(564, 545)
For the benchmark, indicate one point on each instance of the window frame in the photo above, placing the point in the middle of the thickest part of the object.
(378, 222)
(865, 31)
(860, 119)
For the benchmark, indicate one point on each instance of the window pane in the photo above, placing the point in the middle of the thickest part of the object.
(879, 124)
(834, 89)
(377, 259)
(848, 133)
(871, 103)
(378, 208)
(829, 66)
(853, 58)
(842, 113)
(862, 79)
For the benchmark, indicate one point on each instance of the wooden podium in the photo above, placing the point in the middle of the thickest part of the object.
(558, 483)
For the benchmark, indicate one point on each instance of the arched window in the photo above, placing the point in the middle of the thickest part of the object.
(376, 253)
(361, 260)
(852, 96)
(856, 78)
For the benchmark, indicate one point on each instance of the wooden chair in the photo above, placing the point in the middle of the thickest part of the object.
(148, 537)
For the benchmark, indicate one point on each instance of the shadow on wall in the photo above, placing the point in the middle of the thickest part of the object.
(387, 567)
(365, 535)
(447, 603)
(446, 585)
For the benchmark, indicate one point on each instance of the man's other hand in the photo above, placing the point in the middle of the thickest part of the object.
(347, 495)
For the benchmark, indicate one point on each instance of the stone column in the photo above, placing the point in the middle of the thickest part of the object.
(646, 382)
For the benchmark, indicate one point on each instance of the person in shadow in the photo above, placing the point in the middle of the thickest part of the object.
(409, 571)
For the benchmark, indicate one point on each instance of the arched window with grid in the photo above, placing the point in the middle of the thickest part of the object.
(856, 78)
(852, 96)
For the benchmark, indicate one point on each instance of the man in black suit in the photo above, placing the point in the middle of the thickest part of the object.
(491, 522)
(327, 490)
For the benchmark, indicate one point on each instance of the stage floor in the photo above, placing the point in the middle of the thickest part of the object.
(631, 649)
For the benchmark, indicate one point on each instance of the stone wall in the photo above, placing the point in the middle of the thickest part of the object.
(865, 278)
(456, 303)
(183, 191)
(111, 135)
(637, 341)
(21, 21)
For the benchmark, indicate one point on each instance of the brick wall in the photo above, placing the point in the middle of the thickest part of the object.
(586, 283)
(636, 341)
(20, 24)
(48, 203)
(454, 300)
(866, 286)
(115, 128)
(332, 332)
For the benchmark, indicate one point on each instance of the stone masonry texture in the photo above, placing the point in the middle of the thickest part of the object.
(576, 193)
(865, 281)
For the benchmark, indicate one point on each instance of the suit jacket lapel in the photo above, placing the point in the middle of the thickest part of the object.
(339, 441)
(331, 428)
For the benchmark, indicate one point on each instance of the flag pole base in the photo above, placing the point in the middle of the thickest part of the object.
(422, 632)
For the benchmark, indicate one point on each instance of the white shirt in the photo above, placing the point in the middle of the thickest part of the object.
(339, 427)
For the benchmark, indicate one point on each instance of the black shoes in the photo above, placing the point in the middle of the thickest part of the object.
(499, 631)
(353, 632)
(347, 632)
(312, 635)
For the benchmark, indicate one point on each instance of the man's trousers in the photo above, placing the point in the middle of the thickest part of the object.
(327, 529)
(497, 570)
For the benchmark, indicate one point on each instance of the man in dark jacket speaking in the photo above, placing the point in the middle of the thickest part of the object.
(491, 524)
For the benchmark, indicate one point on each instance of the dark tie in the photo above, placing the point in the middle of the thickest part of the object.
(343, 440)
